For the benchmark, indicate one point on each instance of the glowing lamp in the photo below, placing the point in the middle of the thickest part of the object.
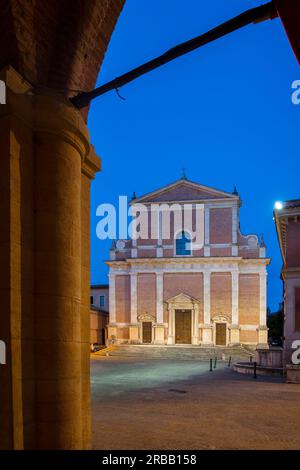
(278, 205)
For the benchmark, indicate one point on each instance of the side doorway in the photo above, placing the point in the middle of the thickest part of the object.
(147, 332)
(221, 334)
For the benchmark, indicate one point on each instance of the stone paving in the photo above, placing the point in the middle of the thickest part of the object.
(154, 404)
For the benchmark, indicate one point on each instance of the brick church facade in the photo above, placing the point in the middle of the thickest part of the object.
(164, 291)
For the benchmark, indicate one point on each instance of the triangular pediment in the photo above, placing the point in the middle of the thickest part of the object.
(181, 299)
(183, 191)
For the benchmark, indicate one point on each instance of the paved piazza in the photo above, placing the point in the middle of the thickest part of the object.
(159, 404)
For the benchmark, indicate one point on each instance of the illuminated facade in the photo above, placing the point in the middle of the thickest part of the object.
(171, 291)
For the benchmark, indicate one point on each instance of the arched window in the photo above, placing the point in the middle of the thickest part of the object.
(183, 244)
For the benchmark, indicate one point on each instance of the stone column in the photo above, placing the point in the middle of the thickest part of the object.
(206, 327)
(44, 279)
(17, 265)
(234, 328)
(159, 327)
(62, 153)
(89, 166)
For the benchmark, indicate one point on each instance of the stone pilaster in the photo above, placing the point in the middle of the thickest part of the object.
(134, 329)
(206, 231)
(262, 329)
(171, 321)
(159, 298)
(206, 327)
(206, 290)
(195, 323)
(263, 299)
(234, 328)
(133, 298)
(112, 298)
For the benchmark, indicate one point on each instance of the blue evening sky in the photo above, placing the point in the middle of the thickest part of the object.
(224, 112)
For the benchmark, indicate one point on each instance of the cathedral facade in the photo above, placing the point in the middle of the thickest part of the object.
(202, 286)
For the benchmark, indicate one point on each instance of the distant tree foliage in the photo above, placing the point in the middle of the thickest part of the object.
(275, 323)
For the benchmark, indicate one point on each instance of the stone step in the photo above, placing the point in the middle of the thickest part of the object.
(180, 352)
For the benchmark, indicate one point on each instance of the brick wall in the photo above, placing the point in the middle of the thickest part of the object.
(146, 294)
(293, 244)
(249, 253)
(220, 225)
(182, 193)
(249, 295)
(221, 294)
(248, 336)
(98, 321)
(123, 333)
(57, 43)
(187, 283)
(147, 253)
(220, 252)
(123, 299)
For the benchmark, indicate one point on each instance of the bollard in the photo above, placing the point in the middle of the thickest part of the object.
(215, 364)
(254, 371)
(229, 361)
(210, 365)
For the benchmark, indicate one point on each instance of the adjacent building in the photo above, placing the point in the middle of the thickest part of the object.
(170, 290)
(287, 219)
(99, 313)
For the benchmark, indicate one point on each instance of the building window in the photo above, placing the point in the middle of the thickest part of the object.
(102, 300)
(183, 244)
(92, 300)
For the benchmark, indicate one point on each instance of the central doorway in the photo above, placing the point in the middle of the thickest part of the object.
(183, 326)
(221, 334)
(147, 332)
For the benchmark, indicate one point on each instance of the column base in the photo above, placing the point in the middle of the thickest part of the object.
(171, 340)
(263, 338)
(134, 334)
(159, 334)
(207, 339)
(234, 335)
(111, 334)
(195, 340)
